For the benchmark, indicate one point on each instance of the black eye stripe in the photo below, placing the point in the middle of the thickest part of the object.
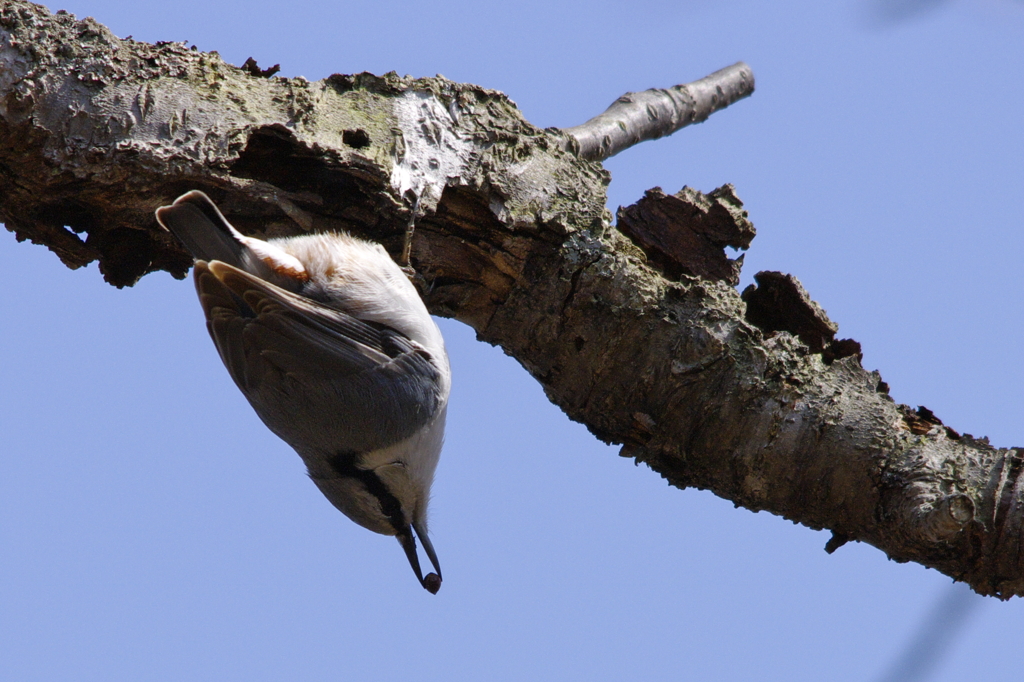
(344, 465)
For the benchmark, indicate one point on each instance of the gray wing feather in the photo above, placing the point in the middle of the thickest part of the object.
(322, 380)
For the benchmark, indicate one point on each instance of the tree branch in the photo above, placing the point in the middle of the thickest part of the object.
(636, 331)
(648, 115)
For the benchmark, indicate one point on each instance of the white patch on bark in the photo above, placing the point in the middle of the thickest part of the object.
(433, 149)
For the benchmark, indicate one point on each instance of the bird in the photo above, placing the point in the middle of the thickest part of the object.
(333, 347)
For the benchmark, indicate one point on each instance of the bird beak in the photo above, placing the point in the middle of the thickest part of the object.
(428, 547)
(432, 582)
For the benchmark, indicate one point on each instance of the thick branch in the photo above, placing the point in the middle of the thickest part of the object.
(636, 332)
(648, 115)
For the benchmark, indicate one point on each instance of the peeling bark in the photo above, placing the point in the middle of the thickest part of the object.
(636, 331)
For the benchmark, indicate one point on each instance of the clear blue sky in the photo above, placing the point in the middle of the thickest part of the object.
(152, 529)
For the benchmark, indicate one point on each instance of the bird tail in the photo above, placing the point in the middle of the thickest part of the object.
(199, 225)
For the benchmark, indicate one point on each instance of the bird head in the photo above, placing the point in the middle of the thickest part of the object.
(388, 498)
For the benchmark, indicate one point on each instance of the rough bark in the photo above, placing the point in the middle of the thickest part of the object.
(636, 331)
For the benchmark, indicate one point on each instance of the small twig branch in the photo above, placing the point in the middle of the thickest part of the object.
(648, 115)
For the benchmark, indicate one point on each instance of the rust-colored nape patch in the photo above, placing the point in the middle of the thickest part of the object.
(285, 270)
(276, 259)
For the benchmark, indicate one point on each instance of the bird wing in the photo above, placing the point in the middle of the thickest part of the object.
(321, 379)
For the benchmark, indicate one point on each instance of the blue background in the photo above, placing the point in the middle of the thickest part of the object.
(152, 529)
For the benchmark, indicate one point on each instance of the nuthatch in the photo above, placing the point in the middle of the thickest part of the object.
(333, 347)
